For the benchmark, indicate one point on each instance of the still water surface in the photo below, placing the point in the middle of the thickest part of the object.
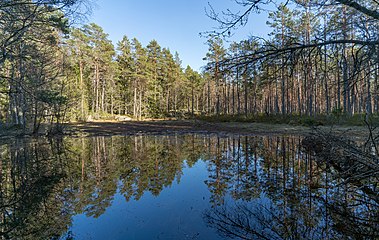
(177, 187)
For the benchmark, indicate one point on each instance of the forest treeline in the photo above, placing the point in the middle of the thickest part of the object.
(318, 60)
(54, 73)
(128, 79)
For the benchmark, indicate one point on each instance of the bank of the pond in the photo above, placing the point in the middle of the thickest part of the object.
(100, 128)
(159, 127)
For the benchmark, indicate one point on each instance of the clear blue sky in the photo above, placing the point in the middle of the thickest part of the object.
(175, 24)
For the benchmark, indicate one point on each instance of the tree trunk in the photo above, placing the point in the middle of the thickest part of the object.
(81, 89)
(135, 103)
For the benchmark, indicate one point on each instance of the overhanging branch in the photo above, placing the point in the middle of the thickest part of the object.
(353, 4)
(273, 52)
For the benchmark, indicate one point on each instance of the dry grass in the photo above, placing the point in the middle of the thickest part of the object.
(113, 127)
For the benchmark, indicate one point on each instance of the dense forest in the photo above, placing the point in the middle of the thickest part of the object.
(53, 72)
(320, 58)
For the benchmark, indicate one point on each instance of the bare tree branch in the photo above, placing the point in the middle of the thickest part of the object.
(360, 8)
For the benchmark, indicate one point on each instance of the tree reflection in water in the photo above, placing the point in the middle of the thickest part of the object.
(293, 198)
(260, 187)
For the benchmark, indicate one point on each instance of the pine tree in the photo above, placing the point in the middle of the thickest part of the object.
(101, 53)
(216, 54)
(140, 77)
(126, 68)
(154, 71)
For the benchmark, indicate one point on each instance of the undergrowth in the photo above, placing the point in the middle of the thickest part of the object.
(302, 120)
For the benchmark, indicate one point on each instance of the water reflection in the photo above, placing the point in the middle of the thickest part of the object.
(257, 187)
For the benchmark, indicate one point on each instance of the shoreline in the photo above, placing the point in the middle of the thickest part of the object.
(166, 127)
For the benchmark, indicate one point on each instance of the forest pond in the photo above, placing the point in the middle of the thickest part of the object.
(177, 187)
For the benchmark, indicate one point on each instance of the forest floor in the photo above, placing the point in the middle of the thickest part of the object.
(164, 127)
(107, 128)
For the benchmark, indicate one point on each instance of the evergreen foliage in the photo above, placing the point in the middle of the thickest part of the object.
(316, 61)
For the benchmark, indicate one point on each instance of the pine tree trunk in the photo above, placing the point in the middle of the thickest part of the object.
(135, 103)
(368, 84)
(327, 101)
(233, 98)
(246, 92)
(140, 106)
(168, 102)
(209, 98)
(193, 101)
(103, 97)
(81, 89)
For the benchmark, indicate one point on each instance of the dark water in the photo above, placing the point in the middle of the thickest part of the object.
(177, 187)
